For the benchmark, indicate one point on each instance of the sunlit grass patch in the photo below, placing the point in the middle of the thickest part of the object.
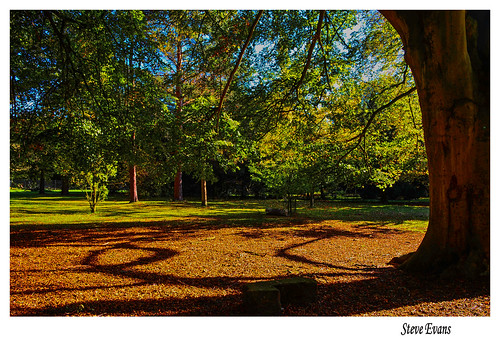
(53, 209)
(404, 217)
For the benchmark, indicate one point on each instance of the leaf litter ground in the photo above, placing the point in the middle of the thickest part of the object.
(198, 265)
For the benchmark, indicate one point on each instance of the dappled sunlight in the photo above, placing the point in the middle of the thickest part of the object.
(192, 270)
(169, 258)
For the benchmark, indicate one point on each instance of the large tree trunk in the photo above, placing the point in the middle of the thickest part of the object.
(448, 52)
(132, 171)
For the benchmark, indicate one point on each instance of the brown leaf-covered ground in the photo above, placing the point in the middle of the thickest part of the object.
(198, 267)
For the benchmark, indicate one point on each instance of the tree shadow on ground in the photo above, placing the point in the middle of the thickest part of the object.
(373, 290)
(386, 289)
(389, 289)
(36, 235)
(229, 305)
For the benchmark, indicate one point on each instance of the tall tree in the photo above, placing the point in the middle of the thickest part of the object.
(99, 72)
(178, 34)
(35, 95)
(200, 48)
(449, 54)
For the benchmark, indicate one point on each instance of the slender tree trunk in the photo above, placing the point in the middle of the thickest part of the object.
(204, 197)
(41, 189)
(65, 185)
(132, 171)
(448, 52)
(93, 196)
(178, 195)
(178, 186)
(311, 199)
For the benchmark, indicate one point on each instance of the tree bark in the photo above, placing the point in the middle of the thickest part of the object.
(204, 197)
(178, 186)
(448, 52)
(178, 196)
(65, 185)
(41, 189)
(132, 171)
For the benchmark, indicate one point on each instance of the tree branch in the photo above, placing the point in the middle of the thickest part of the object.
(361, 135)
(278, 105)
(403, 81)
(374, 113)
(325, 65)
(316, 37)
(233, 72)
(65, 44)
(341, 39)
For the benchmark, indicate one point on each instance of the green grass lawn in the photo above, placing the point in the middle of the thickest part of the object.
(32, 209)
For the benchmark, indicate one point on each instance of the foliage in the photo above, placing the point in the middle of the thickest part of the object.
(94, 183)
(351, 132)
(303, 112)
(95, 165)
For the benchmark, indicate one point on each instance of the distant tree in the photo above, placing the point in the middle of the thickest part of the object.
(94, 163)
(39, 87)
(180, 36)
(94, 182)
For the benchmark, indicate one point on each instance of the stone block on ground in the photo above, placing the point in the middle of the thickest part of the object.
(261, 298)
(297, 290)
(276, 211)
(266, 298)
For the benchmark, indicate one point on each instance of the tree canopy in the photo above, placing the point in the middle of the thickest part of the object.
(305, 100)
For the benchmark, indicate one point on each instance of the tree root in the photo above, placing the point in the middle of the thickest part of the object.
(470, 266)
